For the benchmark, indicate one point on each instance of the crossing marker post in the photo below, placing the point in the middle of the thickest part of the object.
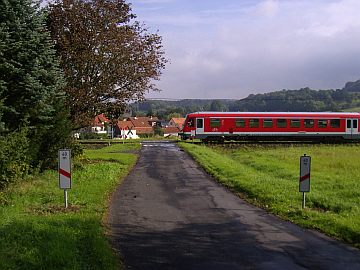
(304, 183)
(65, 172)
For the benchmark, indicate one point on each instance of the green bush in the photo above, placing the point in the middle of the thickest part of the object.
(146, 135)
(159, 131)
(57, 136)
(14, 163)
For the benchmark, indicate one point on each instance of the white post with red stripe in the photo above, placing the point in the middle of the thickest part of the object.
(65, 172)
(304, 184)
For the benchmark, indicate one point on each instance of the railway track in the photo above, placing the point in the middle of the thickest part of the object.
(275, 143)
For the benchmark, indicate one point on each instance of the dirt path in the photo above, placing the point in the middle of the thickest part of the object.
(169, 214)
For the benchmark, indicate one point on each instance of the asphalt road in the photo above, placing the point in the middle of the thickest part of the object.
(169, 214)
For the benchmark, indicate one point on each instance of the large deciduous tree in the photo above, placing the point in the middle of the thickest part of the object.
(107, 58)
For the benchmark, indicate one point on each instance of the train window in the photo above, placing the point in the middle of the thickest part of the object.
(199, 123)
(191, 122)
(214, 123)
(308, 123)
(281, 123)
(240, 123)
(322, 123)
(355, 122)
(268, 123)
(335, 123)
(348, 123)
(295, 123)
(254, 123)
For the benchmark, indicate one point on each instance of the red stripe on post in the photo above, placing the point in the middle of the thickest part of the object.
(305, 177)
(65, 173)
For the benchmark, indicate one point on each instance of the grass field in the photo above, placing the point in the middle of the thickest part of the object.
(36, 232)
(268, 176)
(354, 109)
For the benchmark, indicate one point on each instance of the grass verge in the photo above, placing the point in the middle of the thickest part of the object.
(268, 177)
(36, 232)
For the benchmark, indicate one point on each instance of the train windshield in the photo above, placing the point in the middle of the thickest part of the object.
(191, 122)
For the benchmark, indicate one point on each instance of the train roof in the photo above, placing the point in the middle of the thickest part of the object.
(276, 114)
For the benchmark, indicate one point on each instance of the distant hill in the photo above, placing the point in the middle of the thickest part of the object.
(163, 108)
(352, 86)
(305, 99)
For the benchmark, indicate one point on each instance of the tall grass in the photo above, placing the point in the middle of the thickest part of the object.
(269, 177)
(36, 232)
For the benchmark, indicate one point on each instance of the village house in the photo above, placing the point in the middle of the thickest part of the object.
(100, 124)
(143, 125)
(171, 131)
(177, 122)
(125, 130)
(100, 127)
(133, 127)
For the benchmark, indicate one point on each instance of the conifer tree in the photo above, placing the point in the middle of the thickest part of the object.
(30, 78)
(31, 81)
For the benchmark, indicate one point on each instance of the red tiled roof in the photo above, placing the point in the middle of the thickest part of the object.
(168, 130)
(101, 119)
(140, 121)
(124, 124)
(144, 130)
(178, 121)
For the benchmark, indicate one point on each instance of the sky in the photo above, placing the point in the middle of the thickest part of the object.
(229, 49)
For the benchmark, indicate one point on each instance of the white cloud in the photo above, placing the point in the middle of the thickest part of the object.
(268, 8)
(234, 50)
(335, 18)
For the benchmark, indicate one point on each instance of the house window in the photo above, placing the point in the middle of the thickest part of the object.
(335, 123)
(308, 123)
(295, 123)
(322, 123)
(214, 123)
(281, 123)
(254, 123)
(240, 123)
(267, 123)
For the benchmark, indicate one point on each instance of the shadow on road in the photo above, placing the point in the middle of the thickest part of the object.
(209, 246)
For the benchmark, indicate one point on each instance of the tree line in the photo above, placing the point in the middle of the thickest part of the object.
(301, 100)
(62, 64)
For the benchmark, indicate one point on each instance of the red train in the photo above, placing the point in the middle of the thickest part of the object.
(220, 126)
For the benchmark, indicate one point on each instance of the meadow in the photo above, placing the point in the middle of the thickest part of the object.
(37, 232)
(268, 176)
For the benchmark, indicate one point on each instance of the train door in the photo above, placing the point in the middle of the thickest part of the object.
(352, 127)
(199, 126)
